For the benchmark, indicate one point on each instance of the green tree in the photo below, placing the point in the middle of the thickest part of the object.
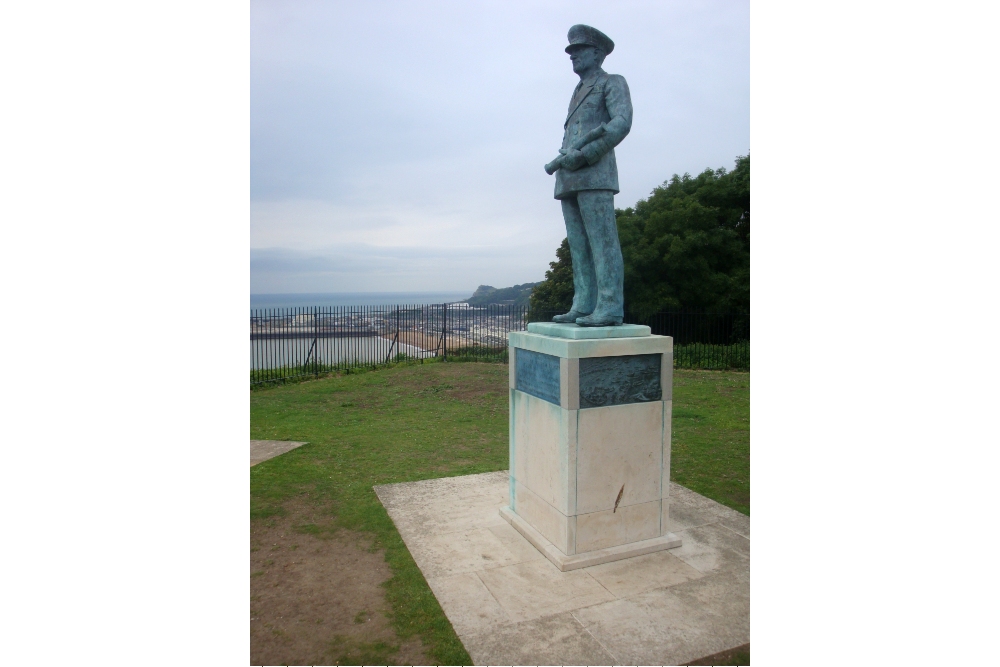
(555, 293)
(687, 246)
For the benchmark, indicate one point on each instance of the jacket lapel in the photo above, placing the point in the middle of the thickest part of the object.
(581, 96)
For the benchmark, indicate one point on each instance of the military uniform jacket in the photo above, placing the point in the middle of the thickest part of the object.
(602, 98)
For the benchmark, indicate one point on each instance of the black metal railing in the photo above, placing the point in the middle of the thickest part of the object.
(289, 343)
(714, 341)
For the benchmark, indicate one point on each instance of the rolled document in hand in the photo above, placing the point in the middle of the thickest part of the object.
(593, 135)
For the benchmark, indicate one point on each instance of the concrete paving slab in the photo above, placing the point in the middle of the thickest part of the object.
(661, 628)
(630, 577)
(472, 607)
(262, 450)
(515, 543)
(510, 605)
(448, 505)
(469, 550)
(688, 620)
(553, 640)
(713, 548)
(689, 509)
(537, 588)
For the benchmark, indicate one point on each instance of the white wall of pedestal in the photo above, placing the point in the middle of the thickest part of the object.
(567, 466)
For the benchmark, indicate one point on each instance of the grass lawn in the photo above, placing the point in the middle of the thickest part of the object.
(710, 449)
(422, 421)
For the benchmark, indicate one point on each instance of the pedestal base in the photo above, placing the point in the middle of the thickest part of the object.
(590, 442)
(575, 562)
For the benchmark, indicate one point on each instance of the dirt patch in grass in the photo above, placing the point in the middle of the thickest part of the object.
(316, 596)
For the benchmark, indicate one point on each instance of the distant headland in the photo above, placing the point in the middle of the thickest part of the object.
(518, 295)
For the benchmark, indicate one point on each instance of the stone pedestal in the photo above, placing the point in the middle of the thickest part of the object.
(590, 441)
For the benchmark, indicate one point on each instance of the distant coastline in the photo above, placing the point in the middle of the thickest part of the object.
(328, 299)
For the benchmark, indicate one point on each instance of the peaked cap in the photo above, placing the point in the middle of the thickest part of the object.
(584, 34)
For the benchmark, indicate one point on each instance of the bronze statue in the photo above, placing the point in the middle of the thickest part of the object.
(600, 116)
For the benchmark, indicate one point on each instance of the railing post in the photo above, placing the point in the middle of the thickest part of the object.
(444, 330)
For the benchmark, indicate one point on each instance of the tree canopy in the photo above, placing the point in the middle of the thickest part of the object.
(687, 247)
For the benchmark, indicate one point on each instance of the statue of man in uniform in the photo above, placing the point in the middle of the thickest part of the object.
(600, 115)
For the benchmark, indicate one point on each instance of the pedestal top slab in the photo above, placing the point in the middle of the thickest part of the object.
(576, 332)
(569, 348)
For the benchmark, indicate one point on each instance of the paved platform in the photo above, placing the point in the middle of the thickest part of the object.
(511, 606)
(262, 450)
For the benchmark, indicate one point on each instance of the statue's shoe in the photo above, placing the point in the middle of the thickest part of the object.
(598, 320)
(569, 317)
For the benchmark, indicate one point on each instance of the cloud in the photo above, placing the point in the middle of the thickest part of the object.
(426, 124)
(364, 268)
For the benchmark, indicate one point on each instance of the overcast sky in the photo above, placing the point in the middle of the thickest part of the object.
(398, 146)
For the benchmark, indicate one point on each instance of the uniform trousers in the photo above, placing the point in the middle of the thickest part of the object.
(598, 269)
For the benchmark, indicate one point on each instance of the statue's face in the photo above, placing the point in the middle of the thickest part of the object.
(584, 58)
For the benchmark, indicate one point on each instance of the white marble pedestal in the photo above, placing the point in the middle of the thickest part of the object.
(590, 441)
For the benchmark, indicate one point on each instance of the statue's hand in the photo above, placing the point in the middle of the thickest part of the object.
(574, 160)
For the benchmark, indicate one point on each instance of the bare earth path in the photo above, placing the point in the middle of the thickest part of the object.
(316, 593)
(316, 596)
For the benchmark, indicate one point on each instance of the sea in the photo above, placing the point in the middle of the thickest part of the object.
(326, 299)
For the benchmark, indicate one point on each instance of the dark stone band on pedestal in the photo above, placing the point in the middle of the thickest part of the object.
(538, 375)
(620, 380)
(603, 380)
